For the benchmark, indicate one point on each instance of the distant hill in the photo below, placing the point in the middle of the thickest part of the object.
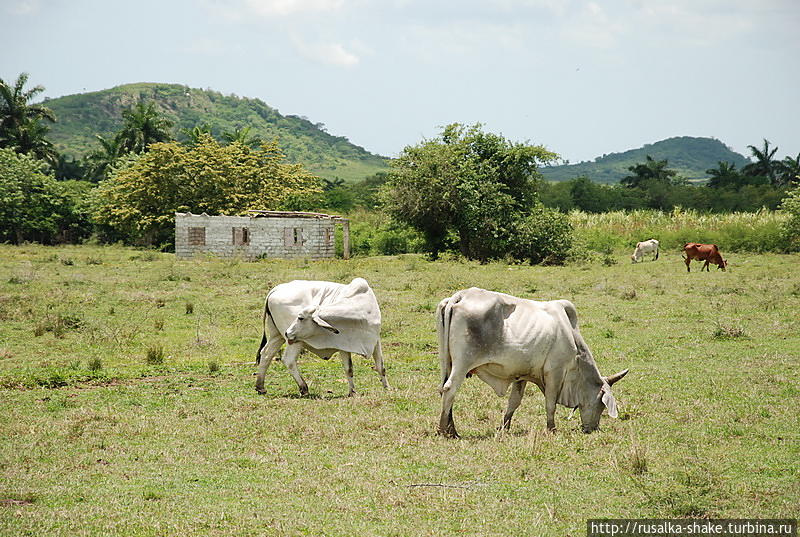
(81, 116)
(689, 156)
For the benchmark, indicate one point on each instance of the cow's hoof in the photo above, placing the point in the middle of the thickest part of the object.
(352, 394)
(261, 391)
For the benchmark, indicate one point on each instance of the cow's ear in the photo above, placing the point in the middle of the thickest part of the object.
(323, 323)
(611, 403)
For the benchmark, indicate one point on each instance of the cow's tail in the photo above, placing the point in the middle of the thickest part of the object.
(264, 328)
(444, 312)
(658, 247)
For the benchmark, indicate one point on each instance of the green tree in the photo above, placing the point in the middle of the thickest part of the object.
(142, 126)
(21, 126)
(789, 170)
(725, 175)
(790, 205)
(243, 136)
(194, 134)
(68, 169)
(764, 165)
(139, 199)
(100, 161)
(468, 184)
(649, 171)
(30, 200)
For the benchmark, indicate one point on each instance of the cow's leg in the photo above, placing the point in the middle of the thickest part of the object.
(705, 267)
(267, 353)
(687, 261)
(517, 391)
(377, 354)
(550, 398)
(289, 359)
(347, 363)
(447, 426)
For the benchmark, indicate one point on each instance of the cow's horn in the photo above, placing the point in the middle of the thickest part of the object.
(616, 376)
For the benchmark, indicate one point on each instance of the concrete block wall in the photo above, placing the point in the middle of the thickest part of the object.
(268, 236)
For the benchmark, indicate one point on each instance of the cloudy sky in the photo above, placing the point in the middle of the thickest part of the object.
(581, 77)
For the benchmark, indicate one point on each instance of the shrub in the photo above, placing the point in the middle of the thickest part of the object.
(790, 229)
(391, 242)
(544, 236)
(155, 355)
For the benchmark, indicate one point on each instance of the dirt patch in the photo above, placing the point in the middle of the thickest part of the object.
(14, 501)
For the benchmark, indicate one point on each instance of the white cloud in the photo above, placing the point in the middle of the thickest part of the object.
(244, 10)
(271, 8)
(326, 53)
(23, 7)
(592, 26)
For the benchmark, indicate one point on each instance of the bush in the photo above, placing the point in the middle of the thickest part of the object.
(544, 236)
(155, 355)
(371, 233)
(790, 229)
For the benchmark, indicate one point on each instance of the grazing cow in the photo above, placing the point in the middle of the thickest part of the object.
(645, 247)
(703, 252)
(509, 341)
(325, 318)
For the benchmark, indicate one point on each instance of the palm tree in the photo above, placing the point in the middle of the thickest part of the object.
(724, 175)
(650, 170)
(789, 170)
(764, 164)
(331, 184)
(66, 169)
(100, 161)
(142, 126)
(196, 133)
(30, 139)
(20, 122)
(242, 135)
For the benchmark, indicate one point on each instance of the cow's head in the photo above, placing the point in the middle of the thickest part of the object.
(721, 263)
(633, 258)
(307, 324)
(596, 401)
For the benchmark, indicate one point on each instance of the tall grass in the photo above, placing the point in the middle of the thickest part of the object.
(758, 232)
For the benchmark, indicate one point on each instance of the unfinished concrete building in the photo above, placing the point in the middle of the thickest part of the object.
(260, 234)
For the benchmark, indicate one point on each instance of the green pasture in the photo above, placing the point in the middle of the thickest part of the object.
(127, 401)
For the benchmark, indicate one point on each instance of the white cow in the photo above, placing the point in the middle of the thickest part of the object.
(509, 341)
(645, 247)
(325, 318)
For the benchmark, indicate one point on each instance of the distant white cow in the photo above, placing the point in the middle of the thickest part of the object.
(645, 247)
(509, 341)
(325, 318)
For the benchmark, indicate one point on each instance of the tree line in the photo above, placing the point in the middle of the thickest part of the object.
(465, 190)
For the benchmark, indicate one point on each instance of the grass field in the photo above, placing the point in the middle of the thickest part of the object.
(129, 408)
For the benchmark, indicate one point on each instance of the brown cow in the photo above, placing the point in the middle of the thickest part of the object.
(703, 252)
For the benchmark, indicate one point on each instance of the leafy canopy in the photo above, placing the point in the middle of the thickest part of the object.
(790, 205)
(34, 206)
(465, 185)
(139, 199)
(21, 126)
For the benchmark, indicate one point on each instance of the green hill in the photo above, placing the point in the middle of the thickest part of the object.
(82, 116)
(689, 156)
